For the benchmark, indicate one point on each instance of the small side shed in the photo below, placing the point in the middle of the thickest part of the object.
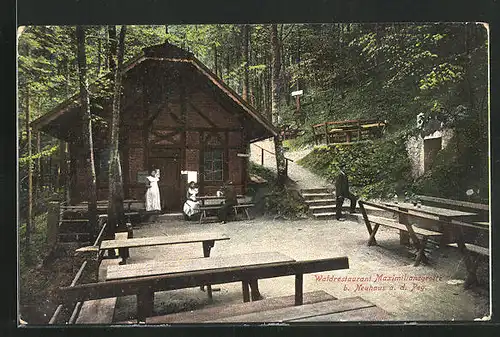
(176, 115)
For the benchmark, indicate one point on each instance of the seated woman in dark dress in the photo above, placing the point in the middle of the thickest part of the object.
(230, 200)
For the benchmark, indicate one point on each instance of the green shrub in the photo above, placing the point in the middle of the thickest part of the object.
(376, 169)
(284, 202)
(279, 201)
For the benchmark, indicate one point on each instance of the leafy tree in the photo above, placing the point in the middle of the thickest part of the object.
(87, 141)
(116, 215)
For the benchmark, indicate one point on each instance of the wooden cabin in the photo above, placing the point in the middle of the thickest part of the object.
(176, 115)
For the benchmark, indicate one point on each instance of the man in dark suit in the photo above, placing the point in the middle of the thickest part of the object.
(342, 192)
(230, 200)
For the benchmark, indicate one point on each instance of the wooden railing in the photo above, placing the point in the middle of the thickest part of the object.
(75, 280)
(274, 154)
(347, 131)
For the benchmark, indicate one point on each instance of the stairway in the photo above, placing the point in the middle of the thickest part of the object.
(73, 226)
(321, 204)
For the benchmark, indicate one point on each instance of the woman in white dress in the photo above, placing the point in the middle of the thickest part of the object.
(153, 192)
(191, 206)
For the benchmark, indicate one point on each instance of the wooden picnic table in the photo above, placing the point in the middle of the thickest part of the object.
(241, 205)
(445, 214)
(209, 264)
(245, 268)
(450, 218)
(202, 198)
(418, 236)
(127, 204)
(207, 240)
(154, 268)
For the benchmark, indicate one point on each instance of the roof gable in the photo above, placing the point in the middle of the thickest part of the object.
(165, 52)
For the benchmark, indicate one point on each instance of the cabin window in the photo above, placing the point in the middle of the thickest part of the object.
(213, 160)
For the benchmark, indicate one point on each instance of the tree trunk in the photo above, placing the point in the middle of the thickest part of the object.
(116, 216)
(87, 142)
(246, 60)
(30, 176)
(62, 171)
(99, 50)
(214, 48)
(275, 104)
(68, 78)
(113, 43)
(39, 176)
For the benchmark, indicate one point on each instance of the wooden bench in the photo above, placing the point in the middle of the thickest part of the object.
(100, 311)
(234, 269)
(346, 309)
(215, 313)
(402, 225)
(483, 251)
(317, 306)
(207, 240)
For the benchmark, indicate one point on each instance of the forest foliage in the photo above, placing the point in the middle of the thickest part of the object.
(392, 71)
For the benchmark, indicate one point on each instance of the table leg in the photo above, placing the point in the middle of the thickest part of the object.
(419, 245)
(421, 252)
(367, 222)
(470, 265)
(371, 240)
(299, 296)
(246, 291)
(207, 246)
(254, 290)
(404, 238)
(145, 303)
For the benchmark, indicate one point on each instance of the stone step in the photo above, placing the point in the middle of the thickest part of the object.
(326, 211)
(73, 227)
(316, 196)
(321, 207)
(73, 237)
(316, 190)
(320, 202)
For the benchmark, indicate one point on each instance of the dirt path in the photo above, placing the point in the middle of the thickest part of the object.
(436, 299)
(302, 176)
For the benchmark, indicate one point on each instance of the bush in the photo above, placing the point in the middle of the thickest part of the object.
(278, 201)
(376, 169)
(285, 203)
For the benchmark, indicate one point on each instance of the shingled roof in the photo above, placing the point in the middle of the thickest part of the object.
(65, 113)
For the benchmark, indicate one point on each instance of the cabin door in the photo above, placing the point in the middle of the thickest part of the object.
(170, 179)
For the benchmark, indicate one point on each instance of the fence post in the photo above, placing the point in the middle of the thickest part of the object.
(52, 223)
(326, 133)
(262, 156)
(286, 167)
